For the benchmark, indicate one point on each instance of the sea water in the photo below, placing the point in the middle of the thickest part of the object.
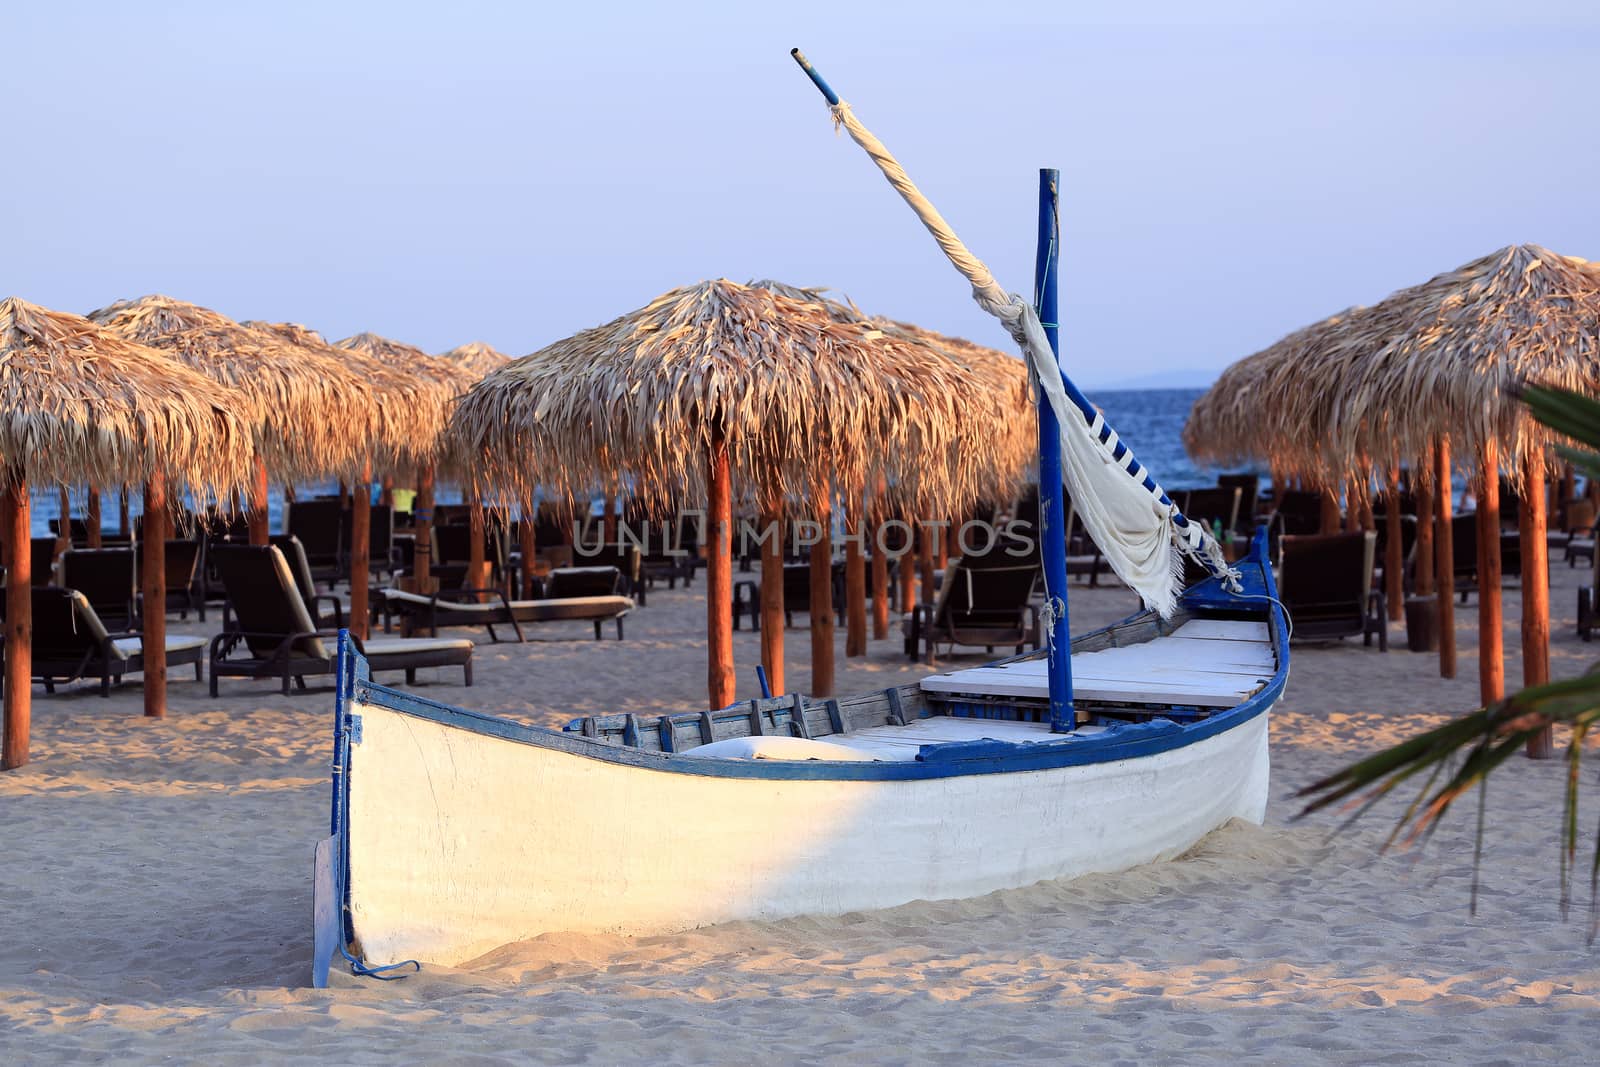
(1150, 421)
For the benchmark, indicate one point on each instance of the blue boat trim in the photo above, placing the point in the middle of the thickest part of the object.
(1126, 741)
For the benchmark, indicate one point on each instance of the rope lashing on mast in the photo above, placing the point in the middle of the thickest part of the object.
(1140, 531)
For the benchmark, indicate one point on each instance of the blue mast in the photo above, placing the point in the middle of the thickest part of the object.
(1052, 507)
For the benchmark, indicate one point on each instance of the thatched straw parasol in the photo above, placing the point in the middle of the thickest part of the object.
(1427, 369)
(438, 383)
(999, 444)
(476, 358)
(717, 381)
(312, 415)
(79, 403)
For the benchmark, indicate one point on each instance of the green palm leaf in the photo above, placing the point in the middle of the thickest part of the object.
(1460, 755)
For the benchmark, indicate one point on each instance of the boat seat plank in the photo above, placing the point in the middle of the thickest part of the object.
(1215, 663)
(989, 681)
(1224, 630)
(1118, 671)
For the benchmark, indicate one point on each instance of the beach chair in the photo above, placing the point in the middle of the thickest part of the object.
(71, 641)
(78, 531)
(984, 600)
(1213, 507)
(182, 566)
(380, 542)
(452, 546)
(1084, 558)
(625, 559)
(1298, 512)
(668, 539)
(1408, 548)
(796, 595)
(294, 554)
(319, 524)
(1578, 538)
(108, 577)
(1249, 486)
(566, 595)
(276, 637)
(42, 557)
(1464, 545)
(1326, 585)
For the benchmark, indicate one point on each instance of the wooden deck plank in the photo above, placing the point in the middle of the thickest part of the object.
(990, 681)
(1224, 630)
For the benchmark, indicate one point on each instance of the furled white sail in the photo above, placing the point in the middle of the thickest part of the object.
(1142, 536)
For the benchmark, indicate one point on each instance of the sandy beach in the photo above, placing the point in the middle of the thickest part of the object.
(157, 900)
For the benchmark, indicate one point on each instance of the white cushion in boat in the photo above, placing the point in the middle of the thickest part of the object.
(378, 646)
(777, 747)
(133, 646)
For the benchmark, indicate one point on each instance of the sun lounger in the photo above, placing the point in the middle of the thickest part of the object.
(626, 560)
(1249, 486)
(42, 553)
(108, 578)
(276, 637)
(1327, 587)
(569, 594)
(71, 641)
(294, 553)
(984, 600)
(319, 524)
(1299, 512)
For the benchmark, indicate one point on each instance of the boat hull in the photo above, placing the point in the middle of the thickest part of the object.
(460, 841)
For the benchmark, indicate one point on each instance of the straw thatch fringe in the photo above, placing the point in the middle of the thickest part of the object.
(313, 417)
(410, 408)
(999, 435)
(801, 397)
(81, 404)
(476, 358)
(1441, 358)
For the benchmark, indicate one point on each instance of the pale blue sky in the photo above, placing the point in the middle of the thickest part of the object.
(513, 173)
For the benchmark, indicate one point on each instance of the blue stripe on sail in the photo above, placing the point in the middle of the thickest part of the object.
(1121, 452)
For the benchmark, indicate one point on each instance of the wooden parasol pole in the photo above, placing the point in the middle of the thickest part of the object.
(94, 517)
(1423, 564)
(772, 620)
(360, 551)
(1531, 528)
(153, 576)
(925, 536)
(528, 544)
(1444, 566)
(16, 531)
(64, 523)
(1569, 486)
(477, 568)
(422, 526)
(1491, 638)
(719, 578)
(259, 520)
(1330, 511)
(124, 526)
(908, 572)
(386, 493)
(1393, 558)
(855, 579)
(822, 597)
(880, 576)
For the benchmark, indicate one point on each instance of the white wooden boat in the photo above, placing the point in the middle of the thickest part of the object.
(455, 832)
